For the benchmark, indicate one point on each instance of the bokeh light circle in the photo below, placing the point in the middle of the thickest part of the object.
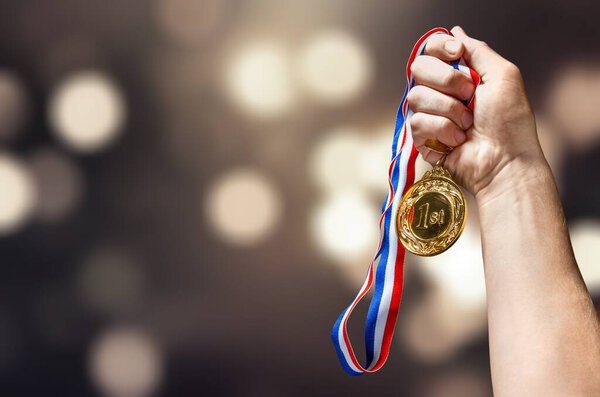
(18, 195)
(436, 327)
(243, 206)
(347, 158)
(374, 160)
(126, 362)
(259, 79)
(344, 226)
(87, 111)
(459, 270)
(335, 66)
(335, 162)
(572, 104)
(59, 183)
(585, 237)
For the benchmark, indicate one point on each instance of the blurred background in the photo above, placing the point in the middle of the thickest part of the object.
(189, 191)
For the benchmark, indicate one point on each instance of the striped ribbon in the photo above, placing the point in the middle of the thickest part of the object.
(383, 310)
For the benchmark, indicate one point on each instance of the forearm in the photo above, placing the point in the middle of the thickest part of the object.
(544, 330)
(544, 335)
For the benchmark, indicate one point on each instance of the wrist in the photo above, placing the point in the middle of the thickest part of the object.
(516, 177)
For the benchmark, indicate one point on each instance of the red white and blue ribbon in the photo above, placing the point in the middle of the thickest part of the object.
(388, 278)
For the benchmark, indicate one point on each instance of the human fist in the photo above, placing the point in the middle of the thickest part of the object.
(488, 141)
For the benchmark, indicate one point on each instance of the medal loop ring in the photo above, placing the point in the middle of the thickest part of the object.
(436, 146)
(440, 162)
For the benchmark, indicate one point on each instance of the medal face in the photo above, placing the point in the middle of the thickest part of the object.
(432, 214)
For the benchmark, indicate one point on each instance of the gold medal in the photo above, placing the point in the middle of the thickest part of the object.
(432, 214)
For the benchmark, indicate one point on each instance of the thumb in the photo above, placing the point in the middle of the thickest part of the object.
(478, 54)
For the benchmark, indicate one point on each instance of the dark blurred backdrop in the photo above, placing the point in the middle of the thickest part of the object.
(189, 190)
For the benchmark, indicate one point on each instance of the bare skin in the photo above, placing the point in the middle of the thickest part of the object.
(543, 328)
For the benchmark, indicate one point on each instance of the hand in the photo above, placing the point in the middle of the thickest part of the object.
(488, 142)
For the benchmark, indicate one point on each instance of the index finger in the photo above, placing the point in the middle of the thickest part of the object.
(445, 47)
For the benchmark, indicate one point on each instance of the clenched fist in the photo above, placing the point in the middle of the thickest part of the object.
(498, 137)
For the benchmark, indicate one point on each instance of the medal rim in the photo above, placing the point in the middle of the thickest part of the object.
(462, 223)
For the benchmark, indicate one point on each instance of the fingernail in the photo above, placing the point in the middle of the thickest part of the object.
(460, 137)
(466, 119)
(467, 91)
(452, 46)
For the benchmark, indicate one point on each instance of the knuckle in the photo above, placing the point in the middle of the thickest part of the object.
(416, 121)
(412, 96)
(447, 125)
(477, 50)
(416, 66)
(436, 43)
(419, 143)
(453, 108)
(449, 77)
(415, 96)
(511, 70)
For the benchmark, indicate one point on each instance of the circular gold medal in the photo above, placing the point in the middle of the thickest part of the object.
(432, 214)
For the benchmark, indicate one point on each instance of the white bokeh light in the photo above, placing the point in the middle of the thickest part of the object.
(126, 362)
(460, 269)
(375, 157)
(335, 66)
(345, 227)
(243, 206)
(551, 144)
(87, 111)
(59, 184)
(585, 237)
(345, 158)
(18, 195)
(336, 162)
(453, 311)
(374, 160)
(260, 81)
(421, 166)
(436, 328)
(572, 104)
